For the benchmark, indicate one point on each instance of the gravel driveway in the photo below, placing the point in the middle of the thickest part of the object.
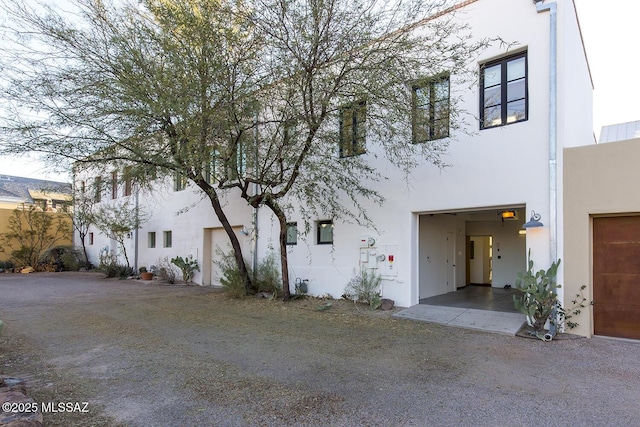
(157, 355)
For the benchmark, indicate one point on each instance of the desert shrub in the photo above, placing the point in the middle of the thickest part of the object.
(267, 278)
(230, 278)
(111, 268)
(6, 265)
(165, 270)
(365, 287)
(66, 258)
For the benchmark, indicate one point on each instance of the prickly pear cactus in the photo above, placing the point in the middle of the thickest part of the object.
(539, 293)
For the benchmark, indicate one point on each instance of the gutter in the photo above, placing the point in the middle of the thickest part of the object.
(553, 125)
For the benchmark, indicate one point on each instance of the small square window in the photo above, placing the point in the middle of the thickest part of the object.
(151, 238)
(325, 232)
(167, 239)
(292, 233)
(91, 238)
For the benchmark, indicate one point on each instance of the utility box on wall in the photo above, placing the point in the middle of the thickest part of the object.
(388, 267)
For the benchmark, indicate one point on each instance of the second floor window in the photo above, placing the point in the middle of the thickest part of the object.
(114, 185)
(179, 182)
(353, 119)
(430, 109)
(504, 91)
(97, 188)
(127, 181)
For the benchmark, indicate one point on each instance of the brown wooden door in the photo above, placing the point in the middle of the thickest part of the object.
(616, 276)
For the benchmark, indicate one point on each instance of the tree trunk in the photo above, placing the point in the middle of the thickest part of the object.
(235, 243)
(84, 250)
(284, 263)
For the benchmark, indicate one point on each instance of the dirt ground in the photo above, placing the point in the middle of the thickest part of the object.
(145, 354)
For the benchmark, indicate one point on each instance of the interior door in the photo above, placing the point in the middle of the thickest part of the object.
(451, 262)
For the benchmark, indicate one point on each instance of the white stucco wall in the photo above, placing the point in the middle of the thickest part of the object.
(499, 167)
(492, 169)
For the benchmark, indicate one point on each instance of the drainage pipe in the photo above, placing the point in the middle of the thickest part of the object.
(553, 125)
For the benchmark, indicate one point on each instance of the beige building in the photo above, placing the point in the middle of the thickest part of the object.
(602, 236)
(48, 196)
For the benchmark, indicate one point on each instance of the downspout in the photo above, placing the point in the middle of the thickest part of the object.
(553, 125)
(255, 210)
(135, 235)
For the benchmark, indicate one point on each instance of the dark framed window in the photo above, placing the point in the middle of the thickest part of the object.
(430, 109)
(504, 91)
(324, 232)
(97, 187)
(127, 181)
(114, 184)
(151, 239)
(179, 182)
(353, 119)
(292, 233)
(91, 238)
(167, 239)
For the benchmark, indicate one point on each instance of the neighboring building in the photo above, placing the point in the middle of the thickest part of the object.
(602, 232)
(445, 229)
(620, 132)
(48, 196)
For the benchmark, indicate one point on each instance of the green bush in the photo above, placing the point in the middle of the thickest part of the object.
(231, 280)
(111, 268)
(267, 277)
(6, 265)
(365, 287)
(67, 258)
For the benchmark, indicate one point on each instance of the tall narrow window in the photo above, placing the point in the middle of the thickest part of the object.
(431, 109)
(179, 182)
(292, 233)
(114, 184)
(167, 239)
(504, 91)
(151, 238)
(127, 181)
(353, 119)
(91, 238)
(212, 167)
(97, 188)
(83, 187)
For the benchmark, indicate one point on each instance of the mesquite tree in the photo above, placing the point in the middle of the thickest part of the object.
(238, 97)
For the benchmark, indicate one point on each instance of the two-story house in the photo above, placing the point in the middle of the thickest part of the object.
(441, 229)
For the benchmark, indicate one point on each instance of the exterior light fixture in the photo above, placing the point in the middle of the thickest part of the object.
(534, 221)
(507, 214)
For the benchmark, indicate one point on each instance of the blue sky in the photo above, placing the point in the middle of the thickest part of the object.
(611, 33)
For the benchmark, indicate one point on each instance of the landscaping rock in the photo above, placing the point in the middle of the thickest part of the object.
(386, 304)
(13, 390)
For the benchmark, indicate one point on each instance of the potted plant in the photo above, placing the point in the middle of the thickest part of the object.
(144, 274)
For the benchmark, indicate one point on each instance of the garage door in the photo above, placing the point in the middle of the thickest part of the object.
(616, 276)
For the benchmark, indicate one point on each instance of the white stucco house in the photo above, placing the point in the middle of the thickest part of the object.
(444, 228)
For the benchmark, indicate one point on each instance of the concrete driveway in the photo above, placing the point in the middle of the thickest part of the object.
(156, 355)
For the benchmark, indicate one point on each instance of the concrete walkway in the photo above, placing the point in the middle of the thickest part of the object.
(484, 320)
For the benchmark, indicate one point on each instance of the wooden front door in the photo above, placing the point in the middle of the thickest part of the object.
(616, 276)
